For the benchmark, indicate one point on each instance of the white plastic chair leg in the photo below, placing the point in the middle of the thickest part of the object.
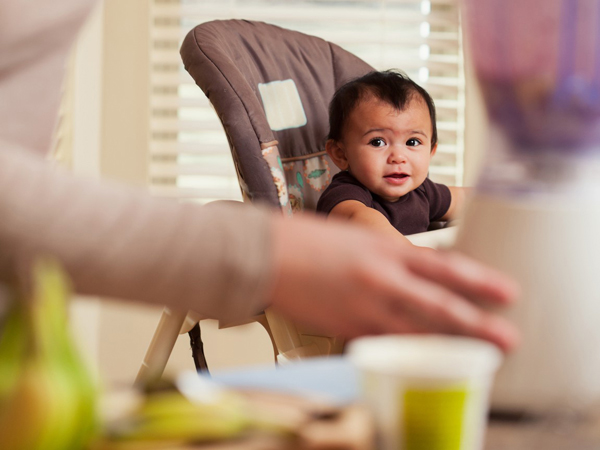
(161, 346)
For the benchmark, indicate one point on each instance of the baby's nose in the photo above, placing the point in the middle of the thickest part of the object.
(397, 155)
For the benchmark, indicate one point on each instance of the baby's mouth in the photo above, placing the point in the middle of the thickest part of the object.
(397, 175)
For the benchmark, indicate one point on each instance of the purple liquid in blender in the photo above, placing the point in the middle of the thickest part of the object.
(538, 63)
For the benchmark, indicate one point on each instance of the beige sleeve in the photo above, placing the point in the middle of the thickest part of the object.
(120, 242)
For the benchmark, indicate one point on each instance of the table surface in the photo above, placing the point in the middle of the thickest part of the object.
(337, 380)
(549, 432)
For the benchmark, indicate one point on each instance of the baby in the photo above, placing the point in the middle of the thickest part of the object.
(382, 135)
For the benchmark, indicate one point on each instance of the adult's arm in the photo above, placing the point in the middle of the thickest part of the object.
(120, 242)
(114, 241)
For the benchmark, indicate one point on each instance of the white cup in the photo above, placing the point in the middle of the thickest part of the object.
(427, 392)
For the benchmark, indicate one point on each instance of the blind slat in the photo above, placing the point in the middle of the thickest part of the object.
(232, 193)
(178, 125)
(221, 169)
(171, 149)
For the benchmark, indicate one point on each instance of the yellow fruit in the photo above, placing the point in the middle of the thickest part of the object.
(171, 416)
(47, 400)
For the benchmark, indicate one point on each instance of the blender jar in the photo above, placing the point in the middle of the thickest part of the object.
(535, 213)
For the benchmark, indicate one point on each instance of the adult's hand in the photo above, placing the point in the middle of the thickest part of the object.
(346, 280)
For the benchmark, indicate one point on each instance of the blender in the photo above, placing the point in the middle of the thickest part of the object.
(535, 210)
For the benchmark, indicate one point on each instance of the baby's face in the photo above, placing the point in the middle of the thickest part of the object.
(388, 150)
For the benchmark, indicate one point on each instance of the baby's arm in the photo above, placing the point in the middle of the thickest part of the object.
(459, 198)
(360, 213)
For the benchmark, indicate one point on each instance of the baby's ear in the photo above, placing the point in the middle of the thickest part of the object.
(337, 154)
(433, 150)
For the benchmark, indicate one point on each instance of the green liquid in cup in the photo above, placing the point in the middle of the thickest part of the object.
(433, 418)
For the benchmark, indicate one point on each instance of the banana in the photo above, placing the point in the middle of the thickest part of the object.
(13, 341)
(171, 416)
(52, 403)
(80, 420)
(28, 416)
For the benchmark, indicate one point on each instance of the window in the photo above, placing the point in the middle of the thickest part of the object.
(189, 154)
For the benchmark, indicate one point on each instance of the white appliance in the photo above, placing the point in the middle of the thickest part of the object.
(536, 209)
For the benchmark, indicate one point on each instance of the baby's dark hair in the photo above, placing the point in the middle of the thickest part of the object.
(390, 86)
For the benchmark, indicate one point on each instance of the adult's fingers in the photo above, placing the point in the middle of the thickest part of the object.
(382, 318)
(465, 276)
(433, 307)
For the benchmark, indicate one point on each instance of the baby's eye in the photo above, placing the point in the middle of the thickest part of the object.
(377, 142)
(413, 142)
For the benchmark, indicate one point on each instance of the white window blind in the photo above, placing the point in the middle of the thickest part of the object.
(189, 154)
